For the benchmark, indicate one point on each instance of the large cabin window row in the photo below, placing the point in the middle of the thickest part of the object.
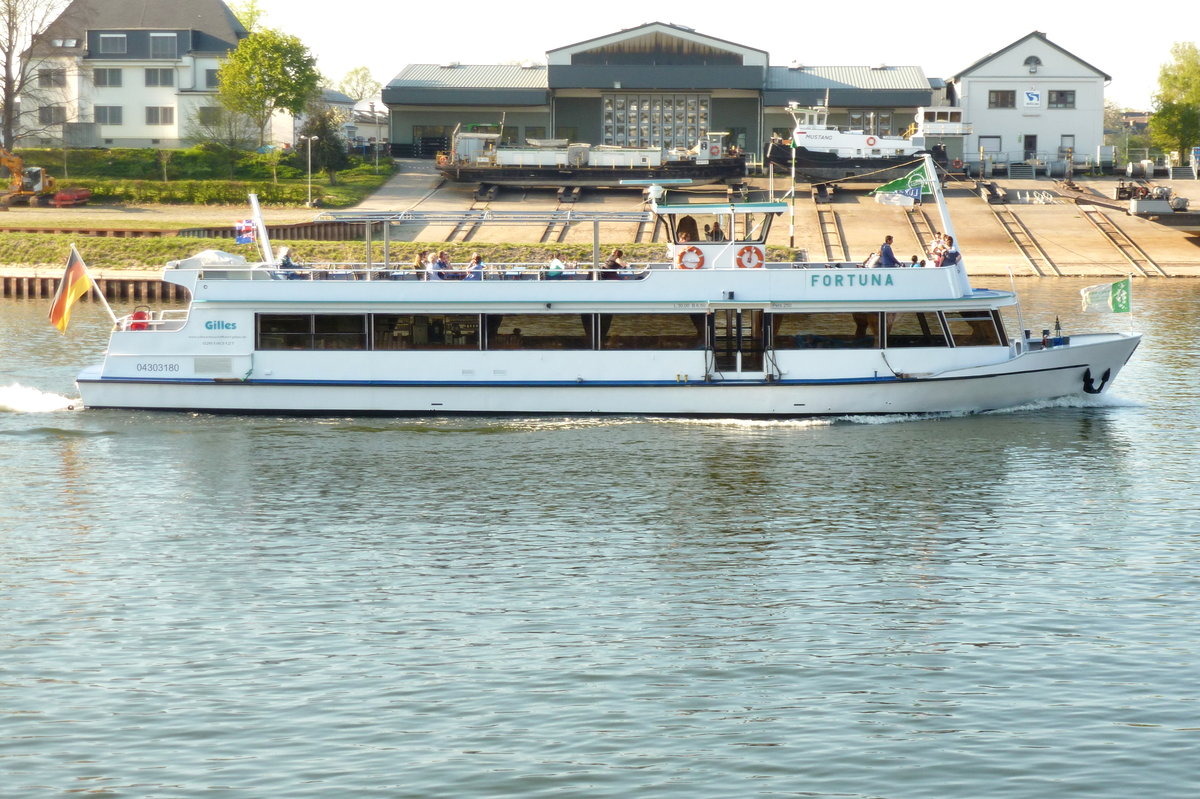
(629, 331)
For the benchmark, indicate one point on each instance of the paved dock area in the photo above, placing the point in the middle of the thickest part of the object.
(1070, 242)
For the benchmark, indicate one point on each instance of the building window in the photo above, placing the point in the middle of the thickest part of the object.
(106, 77)
(156, 76)
(1061, 99)
(1002, 99)
(164, 45)
(653, 120)
(52, 114)
(210, 79)
(52, 78)
(112, 44)
(535, 131)
(108, 114)
(160, 115)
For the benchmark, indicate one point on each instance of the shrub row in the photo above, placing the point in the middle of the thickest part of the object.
(193, 192)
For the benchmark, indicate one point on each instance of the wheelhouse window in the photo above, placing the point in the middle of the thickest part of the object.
(825, 331)
(1061, 99)
(974, 328)
(653, 331)
(1002, 99)
(914, 329)
(160, 76)
(107, 77)
(425, 331)
(113, 44)
(164, 45)
(311, 332)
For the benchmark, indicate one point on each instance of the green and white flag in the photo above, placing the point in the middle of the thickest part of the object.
(1108, 297)
(913, 184)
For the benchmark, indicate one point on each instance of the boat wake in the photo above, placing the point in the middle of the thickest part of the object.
(16, 398)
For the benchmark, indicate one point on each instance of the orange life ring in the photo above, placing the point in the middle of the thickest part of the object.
(870, 141)
(138, 320)
(695, 262)
(750, 257)
(714, 150)
(957, 163)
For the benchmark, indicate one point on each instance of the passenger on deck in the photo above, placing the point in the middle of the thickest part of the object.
(717, 233)
(914, 262)
(441, 268)
(614, 265)
(886, 256)
(708, 233)
(950, 256)
(554, 269)
(475, 268)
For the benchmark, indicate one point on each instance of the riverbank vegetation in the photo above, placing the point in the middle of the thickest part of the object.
(103, 253)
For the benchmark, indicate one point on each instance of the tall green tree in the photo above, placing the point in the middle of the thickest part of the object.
(329, 147)
(358, 85)
(269, 71)
(1176, 121)
(249, 14)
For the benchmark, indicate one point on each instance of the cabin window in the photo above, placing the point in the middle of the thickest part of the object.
(973, 328)
(425, 331)
(825, 331)
(312, 332)
(653, 331)
(539, 331)
(914, 329)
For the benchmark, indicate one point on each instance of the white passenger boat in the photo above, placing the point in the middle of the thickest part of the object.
(715, 331)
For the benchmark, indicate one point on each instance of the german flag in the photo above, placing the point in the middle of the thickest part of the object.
(76, 282)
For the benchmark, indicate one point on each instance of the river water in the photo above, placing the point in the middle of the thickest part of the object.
(1002, 605)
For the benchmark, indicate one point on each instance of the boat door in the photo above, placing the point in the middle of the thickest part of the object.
(738, 341)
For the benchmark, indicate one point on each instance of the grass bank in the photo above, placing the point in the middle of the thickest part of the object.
(50, 249)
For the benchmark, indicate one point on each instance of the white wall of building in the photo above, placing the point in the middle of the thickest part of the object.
(1057, 103)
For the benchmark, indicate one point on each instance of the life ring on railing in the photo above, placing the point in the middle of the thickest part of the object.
(714, 150)
(139, 320)
(749, 257)
(690, 258)
(870, 141)
(957, 163)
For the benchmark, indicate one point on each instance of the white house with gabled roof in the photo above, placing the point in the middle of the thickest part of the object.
(1031, 101)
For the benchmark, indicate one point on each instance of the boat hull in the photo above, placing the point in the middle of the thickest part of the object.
(816, 166)
(605, 177)
(1086, 366)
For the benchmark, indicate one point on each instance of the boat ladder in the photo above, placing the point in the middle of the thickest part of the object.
(1135, 255)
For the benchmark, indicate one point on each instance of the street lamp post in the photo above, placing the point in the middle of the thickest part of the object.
(310, 140)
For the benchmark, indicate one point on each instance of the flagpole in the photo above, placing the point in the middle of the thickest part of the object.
(264, 242)
(95, 286)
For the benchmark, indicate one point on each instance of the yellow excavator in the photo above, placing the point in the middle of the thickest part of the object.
(26, 184)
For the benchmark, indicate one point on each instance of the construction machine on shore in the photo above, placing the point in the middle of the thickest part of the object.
(26, 184)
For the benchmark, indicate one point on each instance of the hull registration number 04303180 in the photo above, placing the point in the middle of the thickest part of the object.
(157, 366)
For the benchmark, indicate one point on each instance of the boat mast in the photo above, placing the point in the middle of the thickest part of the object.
(935, 186)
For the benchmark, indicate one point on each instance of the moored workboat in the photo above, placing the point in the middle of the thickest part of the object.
(820, 152)
(717, 330)
(556, 163)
